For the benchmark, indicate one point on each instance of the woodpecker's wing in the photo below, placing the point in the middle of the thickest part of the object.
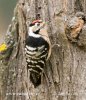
(42, 52)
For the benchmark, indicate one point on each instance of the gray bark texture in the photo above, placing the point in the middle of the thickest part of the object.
(65, 71)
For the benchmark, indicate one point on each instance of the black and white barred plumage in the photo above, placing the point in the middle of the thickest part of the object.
(37, 49)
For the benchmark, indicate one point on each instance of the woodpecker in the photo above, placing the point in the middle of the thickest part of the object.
(75, 25)
(37, 50)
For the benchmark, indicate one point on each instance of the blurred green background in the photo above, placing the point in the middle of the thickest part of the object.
(6, 13)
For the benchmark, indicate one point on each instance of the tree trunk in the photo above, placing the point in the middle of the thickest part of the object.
(65, 72)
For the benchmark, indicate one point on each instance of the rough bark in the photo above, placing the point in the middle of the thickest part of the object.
(66, 69)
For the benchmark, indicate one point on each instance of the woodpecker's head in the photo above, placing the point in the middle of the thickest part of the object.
(36, 25)
(81, 15)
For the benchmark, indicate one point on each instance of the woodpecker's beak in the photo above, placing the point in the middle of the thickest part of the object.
(42, 25)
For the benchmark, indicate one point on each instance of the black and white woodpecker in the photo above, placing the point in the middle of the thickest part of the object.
(37, 50)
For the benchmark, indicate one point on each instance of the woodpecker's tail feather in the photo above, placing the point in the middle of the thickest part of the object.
(35, 78)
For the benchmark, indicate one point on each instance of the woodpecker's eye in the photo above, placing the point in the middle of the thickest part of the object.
(38, 24)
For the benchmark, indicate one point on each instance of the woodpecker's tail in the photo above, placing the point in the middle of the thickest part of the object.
(35, 78)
